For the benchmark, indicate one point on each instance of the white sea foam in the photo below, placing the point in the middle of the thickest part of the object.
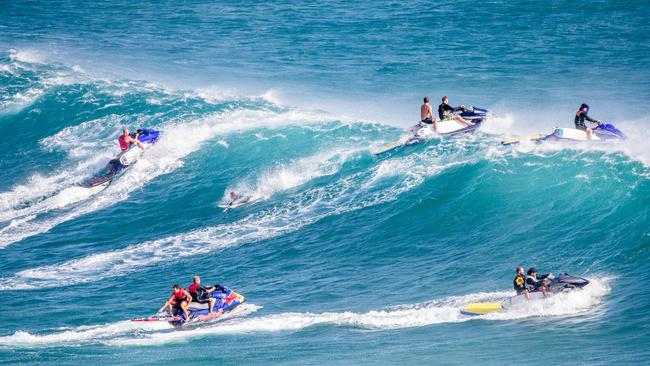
(287, 176)
(579, 305)
(102, 333)
(162, 158)
(349, 193)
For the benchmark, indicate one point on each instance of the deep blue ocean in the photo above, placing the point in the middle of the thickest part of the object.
(344, 257)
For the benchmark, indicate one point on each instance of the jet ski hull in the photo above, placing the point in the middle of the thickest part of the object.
(419, 133)
(226, 301)
(118, 164)
(559, 284)
(605, 133)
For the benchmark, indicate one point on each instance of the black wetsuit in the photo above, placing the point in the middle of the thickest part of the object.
(444, 107)
(533, 284)
(581, 116)
(519, 283)
(201, 294)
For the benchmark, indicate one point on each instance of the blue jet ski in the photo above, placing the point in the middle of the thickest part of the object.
(423, 132)
(122, 161)
(603, 133)
(226, 301)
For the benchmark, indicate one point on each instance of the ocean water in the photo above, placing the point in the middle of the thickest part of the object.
(344, 258)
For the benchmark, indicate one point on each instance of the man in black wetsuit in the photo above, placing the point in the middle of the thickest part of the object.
(535, 282)
(519, 283)
(581, 116)
(201, 294)
(446, 112)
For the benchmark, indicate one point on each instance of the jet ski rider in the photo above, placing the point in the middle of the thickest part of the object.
(446, 112)
(178, 300)
(519, 283)
(201, 294)
(535, 282)
(581, 116)
(426, 114)
(126, 140)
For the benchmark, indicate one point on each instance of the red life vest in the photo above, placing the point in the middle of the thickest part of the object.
(124, 145)
(193, 287)
(179, 295)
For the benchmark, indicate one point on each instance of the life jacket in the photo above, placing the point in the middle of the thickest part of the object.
(531, 286)
(197, 292)
(124, 145)
(179, 295)
(519, 283)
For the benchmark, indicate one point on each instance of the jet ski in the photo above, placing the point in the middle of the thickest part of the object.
(423, 132)
(603, 133)
(226, 301)
(559, 284)
(122, 161)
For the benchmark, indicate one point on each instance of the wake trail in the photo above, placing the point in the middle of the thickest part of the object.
(372, 186)
(162, 158)
(582, 305)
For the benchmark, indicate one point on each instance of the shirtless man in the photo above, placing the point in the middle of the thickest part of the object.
(426, 114)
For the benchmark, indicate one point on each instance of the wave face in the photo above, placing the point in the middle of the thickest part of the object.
(344, 257)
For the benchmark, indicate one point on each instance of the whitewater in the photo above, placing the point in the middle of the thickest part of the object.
(344, 257)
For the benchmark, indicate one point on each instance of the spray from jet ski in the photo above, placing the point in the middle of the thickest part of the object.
(559, 284)
(424, 132)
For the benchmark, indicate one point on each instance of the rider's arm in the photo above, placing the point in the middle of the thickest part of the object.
(188, 295)
(589, 118)
(136, 141)
(166, 303)
(459, 108)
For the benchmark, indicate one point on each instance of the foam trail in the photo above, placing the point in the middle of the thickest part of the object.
(289, 176)
(347, 194)
(162, 158)
(96, 333)
(584, 302)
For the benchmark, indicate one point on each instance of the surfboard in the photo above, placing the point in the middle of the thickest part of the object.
(481, 308)
(234, 204)
(516, 140)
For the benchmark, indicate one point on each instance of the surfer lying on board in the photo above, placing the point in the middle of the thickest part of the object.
(178, 300)
(581, 116)
(126, 140)
(446, 112)
(535, 282)
(238, 199)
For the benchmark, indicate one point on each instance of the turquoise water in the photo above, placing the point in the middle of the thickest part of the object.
(344, 258)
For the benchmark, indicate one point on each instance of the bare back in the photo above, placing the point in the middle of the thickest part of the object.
(425, 112)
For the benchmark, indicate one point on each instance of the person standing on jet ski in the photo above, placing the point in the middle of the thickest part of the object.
(446, 112)
(581, 116)
(201, 294)
(126, 140)
(519, 282)
(178, 300)
(535, 282)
